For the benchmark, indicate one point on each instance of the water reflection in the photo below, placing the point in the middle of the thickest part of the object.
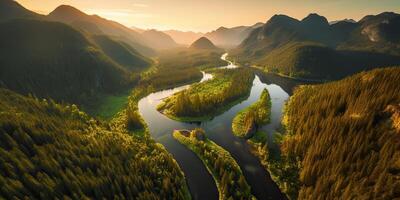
(219, 130)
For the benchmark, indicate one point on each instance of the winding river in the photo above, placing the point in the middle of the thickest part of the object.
(201, 183)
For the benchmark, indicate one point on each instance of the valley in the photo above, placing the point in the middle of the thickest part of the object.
(218, 129)
(115, 101)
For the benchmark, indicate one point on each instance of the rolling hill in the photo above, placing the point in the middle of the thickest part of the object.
(203, 43)
(121, 53)
(312, 48)
(51, 59)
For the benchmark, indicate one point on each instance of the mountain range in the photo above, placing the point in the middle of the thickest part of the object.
(222, 37)
(231, 37)
(184, 37)
(312, 48)
(61, 61)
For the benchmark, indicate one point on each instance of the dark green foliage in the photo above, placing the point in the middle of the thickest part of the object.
(343, 137)
(122, 53)
(210, 97)
(51, 59)
(311, 48)
(315, 61)
(51, 151)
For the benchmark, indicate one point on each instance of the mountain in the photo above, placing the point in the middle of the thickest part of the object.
(203, 43)
(349, 130)
(53, 151)
(344, 20)
(121, 53)
(376, 33)
(10, 9)
(313, 48)
(158, 39)
(229, 37)
(53, 60)
(93, 24)
(184, 37)
(139, 30)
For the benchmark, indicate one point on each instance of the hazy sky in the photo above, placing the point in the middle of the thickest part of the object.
(205, 15)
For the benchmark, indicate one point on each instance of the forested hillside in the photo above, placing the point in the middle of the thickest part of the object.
(122, 53)
(51, 59)
(95, 24)
(51, 151)
(313, 48)
(343, 138)
(10, 9)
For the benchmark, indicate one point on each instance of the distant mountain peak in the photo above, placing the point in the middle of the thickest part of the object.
(68, 9)
(258, 24)
(203, 43)
(343, 21)
(222, 28)
(315, 19)
(67, 12)
(10, 9)
(281, 19)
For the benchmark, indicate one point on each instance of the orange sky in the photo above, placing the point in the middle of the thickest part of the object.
(206, 15)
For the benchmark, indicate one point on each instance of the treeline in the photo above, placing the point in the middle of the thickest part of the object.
(246, 121)
(210, 97)
(51, 151)
(224, 169)
(180, 66)
(343, 138)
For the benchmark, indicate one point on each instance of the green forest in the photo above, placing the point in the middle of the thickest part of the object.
(88, 104)
(247, 121)
(226, 172)
(359, 118)
(206, 99)
(50, 150)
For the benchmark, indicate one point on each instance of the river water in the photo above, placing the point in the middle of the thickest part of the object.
(200, 182)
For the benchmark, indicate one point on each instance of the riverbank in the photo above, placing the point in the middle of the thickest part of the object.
(205, 100)
(283, 169)
(219, 131)
(226, 172)
(246, 121)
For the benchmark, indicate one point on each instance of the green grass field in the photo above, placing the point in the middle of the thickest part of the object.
(109, 105)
